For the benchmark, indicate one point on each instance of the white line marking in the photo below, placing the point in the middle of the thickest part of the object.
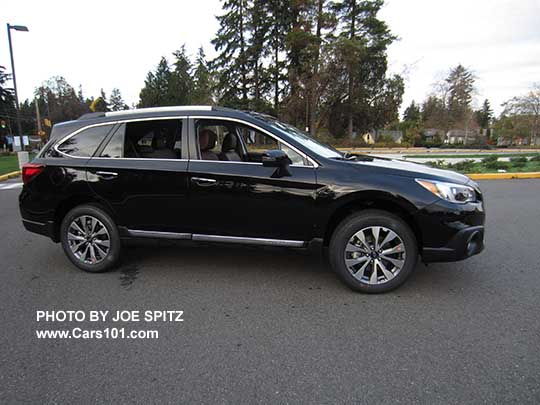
(10, 186)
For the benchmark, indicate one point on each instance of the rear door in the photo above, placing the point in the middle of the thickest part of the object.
(141, 172)
(241, 197)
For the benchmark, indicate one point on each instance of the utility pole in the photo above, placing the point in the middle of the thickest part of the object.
(38, 117)
(18, 114)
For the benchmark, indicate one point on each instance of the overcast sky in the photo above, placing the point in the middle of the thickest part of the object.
(115, 43)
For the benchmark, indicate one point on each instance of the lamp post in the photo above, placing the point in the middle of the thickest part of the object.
(19, 127)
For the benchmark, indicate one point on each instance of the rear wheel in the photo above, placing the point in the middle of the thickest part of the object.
(90, 238)
(373, 251)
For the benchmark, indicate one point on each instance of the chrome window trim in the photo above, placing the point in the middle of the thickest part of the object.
(159, 109)
(55, 147)
(314, 164)
(65, 138)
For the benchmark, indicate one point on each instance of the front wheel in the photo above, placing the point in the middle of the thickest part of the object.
(90, 238)
(373, 251)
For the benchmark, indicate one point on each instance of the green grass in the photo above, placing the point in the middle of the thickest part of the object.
(469, 156)
(10, 163)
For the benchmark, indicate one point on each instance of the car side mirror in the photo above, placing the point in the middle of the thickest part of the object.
(278, 159)
(275, 158)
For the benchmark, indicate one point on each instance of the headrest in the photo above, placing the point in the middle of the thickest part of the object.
(207, 139)
(230, 142)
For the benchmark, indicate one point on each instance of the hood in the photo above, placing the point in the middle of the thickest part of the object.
(409, 169)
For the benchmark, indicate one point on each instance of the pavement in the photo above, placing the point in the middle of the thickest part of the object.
(265, 325)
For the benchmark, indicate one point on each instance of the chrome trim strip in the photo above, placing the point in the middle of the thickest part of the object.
(55, 147)
(248, 241)
(34, 222)
(313, 162)
(158, 234)
(249, 124)
(159, 109)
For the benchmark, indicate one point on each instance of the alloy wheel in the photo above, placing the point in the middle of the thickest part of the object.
(88, 239)
(375, 255)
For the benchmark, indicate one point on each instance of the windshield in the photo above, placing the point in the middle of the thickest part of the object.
(300, 136)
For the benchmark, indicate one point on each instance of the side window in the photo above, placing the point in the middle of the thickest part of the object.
(115, 147)
(230, 141)
(257, 143)
(152, 139)
(83, 144)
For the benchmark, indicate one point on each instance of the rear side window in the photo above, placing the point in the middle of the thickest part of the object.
(83, 144)
(152, 139)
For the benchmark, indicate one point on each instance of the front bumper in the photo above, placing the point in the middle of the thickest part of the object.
(465, 243)
(451, 232)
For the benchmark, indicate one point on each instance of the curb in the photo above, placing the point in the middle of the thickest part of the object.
(11, 175)
(504, 176)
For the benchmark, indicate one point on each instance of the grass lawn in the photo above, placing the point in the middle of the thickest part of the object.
(470, 156)
(10, 163)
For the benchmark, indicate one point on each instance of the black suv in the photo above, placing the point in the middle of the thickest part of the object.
(220, 175)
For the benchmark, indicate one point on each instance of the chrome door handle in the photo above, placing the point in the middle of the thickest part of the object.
(107, 175)
(202, 181)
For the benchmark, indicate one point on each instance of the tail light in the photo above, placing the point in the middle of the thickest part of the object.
(31, 170)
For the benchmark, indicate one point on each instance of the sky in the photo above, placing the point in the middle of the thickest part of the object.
(115, 43)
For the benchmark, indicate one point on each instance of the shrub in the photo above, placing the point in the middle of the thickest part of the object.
(490, 159)
(518, 161)
(464, 165)
(535, 158)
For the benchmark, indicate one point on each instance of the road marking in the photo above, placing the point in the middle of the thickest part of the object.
(10, 186)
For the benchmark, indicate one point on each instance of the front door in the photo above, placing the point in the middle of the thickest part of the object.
(233, 194)
(142, 174)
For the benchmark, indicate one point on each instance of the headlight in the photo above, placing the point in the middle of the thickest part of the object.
(456, 193)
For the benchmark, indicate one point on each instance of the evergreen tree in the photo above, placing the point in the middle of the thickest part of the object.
(362, 46)
(484, 115)
(279, 24)
(180, 85)
(155, 92)
(202, 80)
(460, 87)
(116, 102)
(412, 113)
(231, 64)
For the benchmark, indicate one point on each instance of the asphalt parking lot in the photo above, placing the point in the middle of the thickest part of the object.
(276, 326)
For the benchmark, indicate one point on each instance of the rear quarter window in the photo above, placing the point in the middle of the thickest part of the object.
(83, 144)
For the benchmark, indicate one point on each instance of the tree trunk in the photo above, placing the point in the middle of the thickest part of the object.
(276, 79)
(314, 93)
(351, 81)
(243, 56)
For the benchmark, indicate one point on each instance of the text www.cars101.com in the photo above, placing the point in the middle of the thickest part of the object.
(107, 333)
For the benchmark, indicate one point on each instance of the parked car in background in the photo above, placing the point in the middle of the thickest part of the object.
(219, 175)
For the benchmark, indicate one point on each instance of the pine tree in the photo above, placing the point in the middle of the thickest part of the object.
(460, 83)
(202, 92)
(155, 92)
(231, 64)
(484, 115)
(279, 25)
(180, 84)
(362, 45)
(116, 103)
(412, 113)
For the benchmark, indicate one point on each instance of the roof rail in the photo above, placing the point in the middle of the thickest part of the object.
(88, 116)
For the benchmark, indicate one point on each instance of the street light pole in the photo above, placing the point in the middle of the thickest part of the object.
(17, 112)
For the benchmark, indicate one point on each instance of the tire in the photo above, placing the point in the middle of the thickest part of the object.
(396, 249)
(90, 239)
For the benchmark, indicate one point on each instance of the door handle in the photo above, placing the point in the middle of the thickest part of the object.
(201, 181)
(107, 175)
